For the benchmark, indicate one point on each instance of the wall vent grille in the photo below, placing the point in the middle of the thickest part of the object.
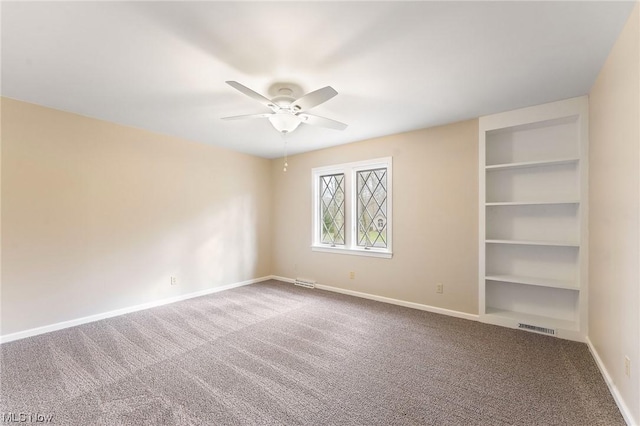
(535, 328)
(303, 282)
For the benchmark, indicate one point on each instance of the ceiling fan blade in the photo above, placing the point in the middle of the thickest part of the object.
(254, 95)
(241, 117)
(316, 120)
(314, 98)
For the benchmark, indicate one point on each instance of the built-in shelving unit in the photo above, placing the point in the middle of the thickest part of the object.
(533, 218)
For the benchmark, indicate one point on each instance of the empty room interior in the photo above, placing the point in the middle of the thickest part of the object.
(320, 213)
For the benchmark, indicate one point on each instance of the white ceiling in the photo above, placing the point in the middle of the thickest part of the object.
(398, 66)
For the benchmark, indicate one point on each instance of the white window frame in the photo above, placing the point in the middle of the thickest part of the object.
(350, 171)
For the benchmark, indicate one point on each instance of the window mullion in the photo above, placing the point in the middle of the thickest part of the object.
(348, 211)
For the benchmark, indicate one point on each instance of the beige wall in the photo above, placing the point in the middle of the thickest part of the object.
(98, 216)
(435, 219)
(614, 209)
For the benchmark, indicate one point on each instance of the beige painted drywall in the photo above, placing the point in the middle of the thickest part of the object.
(98, 216)
(614, 210)
(435, 219)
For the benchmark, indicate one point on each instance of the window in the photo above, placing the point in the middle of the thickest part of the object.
(372, 207)
(332, 209)
(352, 208)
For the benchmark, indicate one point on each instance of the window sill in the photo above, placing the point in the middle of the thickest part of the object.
(354, 252)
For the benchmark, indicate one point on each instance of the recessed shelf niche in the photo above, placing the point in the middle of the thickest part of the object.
(533, 198)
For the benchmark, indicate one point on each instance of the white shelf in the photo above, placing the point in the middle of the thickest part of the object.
(536, 281)
(535, 243)
(525, 164)
(531, 203)
(519, 317)
(560, 182)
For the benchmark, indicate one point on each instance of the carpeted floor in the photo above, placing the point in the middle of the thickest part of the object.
(273, 353)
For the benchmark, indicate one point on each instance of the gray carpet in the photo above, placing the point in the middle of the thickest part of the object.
(273, 353)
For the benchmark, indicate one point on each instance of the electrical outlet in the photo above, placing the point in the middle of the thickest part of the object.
(627, 366)
(174, 281)
(352, 275)
(439, 288)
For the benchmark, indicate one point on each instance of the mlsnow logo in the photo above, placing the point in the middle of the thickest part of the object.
(25, 418)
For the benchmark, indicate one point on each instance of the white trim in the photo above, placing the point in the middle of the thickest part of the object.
(413, 305)
(482, 225)
(104, 315)
(624, 410)
(372, 252)
(283, 279)
(571, 107)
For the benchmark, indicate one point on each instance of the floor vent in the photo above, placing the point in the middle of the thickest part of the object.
(303, 282)
(550, 331)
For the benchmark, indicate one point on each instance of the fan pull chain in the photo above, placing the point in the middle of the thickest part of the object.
(286, 164)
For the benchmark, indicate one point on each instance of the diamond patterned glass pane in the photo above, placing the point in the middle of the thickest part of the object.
(372, 208)
(332, 209)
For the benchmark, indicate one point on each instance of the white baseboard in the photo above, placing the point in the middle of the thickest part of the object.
(398, 302)
(97, 317)
(626, 413)
(419, 306)
(285, 279)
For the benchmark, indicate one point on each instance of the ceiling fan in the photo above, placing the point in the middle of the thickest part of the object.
(287, 112)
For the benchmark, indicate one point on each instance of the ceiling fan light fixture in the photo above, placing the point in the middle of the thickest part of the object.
(287, 111)
(284, 123)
